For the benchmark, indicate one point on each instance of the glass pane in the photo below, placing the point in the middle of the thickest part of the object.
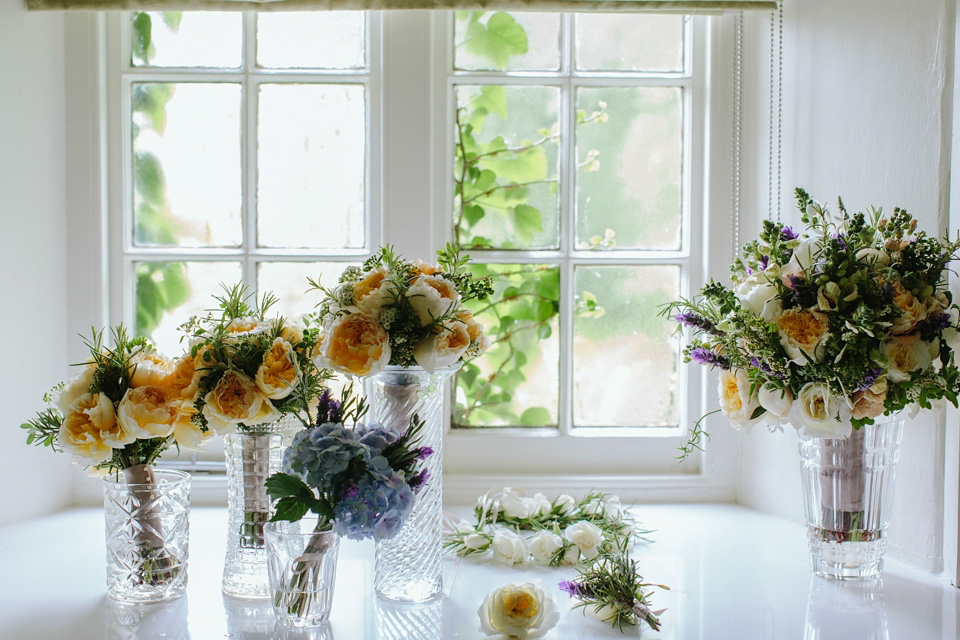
(168, 293)
(620, 345)
(507, 41)
(186, 39)
(625, 42)
(311, 40)
(311, 166)
(516, 381)
(186, 170)
(629, 168)
(288, 281)
(507, 192)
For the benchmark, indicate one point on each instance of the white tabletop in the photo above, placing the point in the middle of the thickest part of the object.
(733, 574)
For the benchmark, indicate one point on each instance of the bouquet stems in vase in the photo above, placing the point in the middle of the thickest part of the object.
(257, 381)
(117, 416)
(828, 330)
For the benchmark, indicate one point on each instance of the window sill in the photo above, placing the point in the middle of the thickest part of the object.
(733, 573)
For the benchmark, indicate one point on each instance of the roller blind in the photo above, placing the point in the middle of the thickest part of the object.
(652, 6)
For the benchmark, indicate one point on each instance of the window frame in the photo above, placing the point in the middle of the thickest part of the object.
(475, 459)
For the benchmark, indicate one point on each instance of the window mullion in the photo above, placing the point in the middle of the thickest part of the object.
(568, 167)
(248, 156)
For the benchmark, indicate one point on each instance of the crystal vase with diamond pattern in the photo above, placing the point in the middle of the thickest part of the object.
(146, 516)
(407, 566)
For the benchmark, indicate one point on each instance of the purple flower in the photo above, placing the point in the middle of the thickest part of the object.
(705, 356)
(933, 326)
(788, 233)
(690, 319)
(839, 238)
(869, 380)
(572, 588)
(328, 409)
(888, 292)
(423, 452)
(419, 479)
(351, 491)
(764, 261)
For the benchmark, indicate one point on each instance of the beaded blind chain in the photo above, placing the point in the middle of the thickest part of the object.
(735, 160)
(775, 159)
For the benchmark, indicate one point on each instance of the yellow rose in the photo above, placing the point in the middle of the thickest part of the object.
(421, 268)
(149, 368)
(479, 341)
(145, 412)
(236, 399)
(905, 354)
(186, 432)
(90, 429)
(356, 344)
(373, 292)
(432, 297)
(802, 332)
(75, 387)
(912, 311)
(442, 348)
(518, 611)
(185, 379)
(736, 403)
(278, 373)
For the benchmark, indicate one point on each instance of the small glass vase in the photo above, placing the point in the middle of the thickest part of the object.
(252, 456)
(407, 566)
(302, 567)
(847, 490)
(146, 517)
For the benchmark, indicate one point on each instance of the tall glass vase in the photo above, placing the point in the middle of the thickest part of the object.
(252, 455)
(847, 491)
(407, 566)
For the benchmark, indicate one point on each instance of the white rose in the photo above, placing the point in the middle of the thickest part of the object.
(540, 505)
(587, 537)
(443, 348)
(515, 505)
(873, 256)
(777, 402)
(905, 354)
(737, 404)
(805, 254)
(476, 541)
(950, 335)
(432, 297)
(759, 297)
(518, 611)
(463, 526)
(544, 546)
(566, 503)
(819, 413)
(509, 548)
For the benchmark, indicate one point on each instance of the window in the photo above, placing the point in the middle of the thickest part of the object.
(564, 152)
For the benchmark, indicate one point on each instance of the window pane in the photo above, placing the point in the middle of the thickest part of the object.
(311, 166)
(515, 382)
(167, 293)
(288, 281)
(507, 41)
(620, 345)
(186, 164)
(507, 194)
(307, 40)
(625, 42)
(629, 168)
(186, 39)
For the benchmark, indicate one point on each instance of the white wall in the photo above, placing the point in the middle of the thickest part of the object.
(32, 258)
(867, 91)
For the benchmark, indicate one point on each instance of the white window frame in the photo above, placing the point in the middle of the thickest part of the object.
(637, 466)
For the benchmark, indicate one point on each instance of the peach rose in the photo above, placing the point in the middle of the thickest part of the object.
(90, 429)
(75, 387)
(373, 292)
(868, 403)
(905, 354)
(432, 297)
(736, 403)
(802, 332)
(236, 399)
(185, 379)
(443, 347)
(479, 341)
(355, 344)
(145, 412)
(912, 311)
(278, 372)
(186, 431)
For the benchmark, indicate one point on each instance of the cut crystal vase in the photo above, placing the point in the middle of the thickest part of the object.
(407, 566)
(847, 490)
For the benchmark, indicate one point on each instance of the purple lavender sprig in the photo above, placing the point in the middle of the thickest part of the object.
(693, 320)
(870, 379)
(701, 355)
(788, 233)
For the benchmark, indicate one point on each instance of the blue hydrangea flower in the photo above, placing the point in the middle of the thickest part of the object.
(376, 508)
